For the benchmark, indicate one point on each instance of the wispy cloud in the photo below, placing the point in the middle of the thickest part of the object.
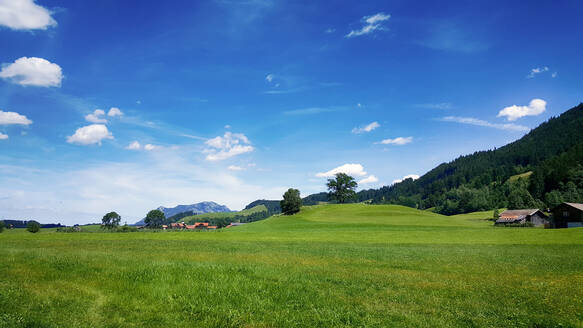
(367, 128)
(370, 24)
(313, 110)
(399, 141)
(448, 36)
(443, 105)
(478, 122)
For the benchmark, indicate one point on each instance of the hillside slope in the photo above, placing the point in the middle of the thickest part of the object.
(553, 151)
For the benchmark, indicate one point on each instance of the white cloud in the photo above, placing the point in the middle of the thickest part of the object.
(150, 147)
(25, 15)
(350, 169)
(96, 116)
(235, 168)
(478, 122)
(410, 176)
(330, 30)
(370, 24)
(134, 145)
(32, 71)
(269, 78)
(370, 179)
(555, 74)
(397, 141)
(535, 107)
(90, 134)
(537, 70)
(227, 146)
(10, 118)
(227, 126)
(114, 111)
(366, 128)
(3, 136)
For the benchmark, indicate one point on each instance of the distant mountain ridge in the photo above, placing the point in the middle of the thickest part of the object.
(198, 208)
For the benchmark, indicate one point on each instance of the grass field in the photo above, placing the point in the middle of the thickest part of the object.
(329, 266)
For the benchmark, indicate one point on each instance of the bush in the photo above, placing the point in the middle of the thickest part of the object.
(127, 228)
(33, 226)
(2, 226)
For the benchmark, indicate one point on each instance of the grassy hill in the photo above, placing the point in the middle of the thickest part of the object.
(328, 266)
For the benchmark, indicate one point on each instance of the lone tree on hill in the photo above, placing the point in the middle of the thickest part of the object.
(155, 219)
(292, 202)
(33, 226)
(342, 187)
(110, 220)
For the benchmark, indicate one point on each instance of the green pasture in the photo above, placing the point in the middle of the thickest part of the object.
(328, 266)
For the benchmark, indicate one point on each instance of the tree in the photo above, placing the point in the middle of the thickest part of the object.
(2, 226)
(496, 214)
(291, 202)
(110, 220)
(342, 187)
(155, 219)
(33, 226)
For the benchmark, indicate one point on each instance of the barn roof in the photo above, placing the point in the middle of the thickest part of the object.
(576, 205)
(517, 213)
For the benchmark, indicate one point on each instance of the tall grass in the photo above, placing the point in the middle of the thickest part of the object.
(329, 266)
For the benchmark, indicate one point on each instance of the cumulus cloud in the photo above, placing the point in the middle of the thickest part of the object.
(410, 176)
(235, 168)
(535, 107)
(399, 141)
(227, 146)
(370, 24)
(366, 128)
(90, 134)
(96, 116)
(533, 72)
(370, 179)
(350, 169)
(478, 122)
(3, 136)
(114, 111)
(134, 145)
(12, 118)
(32, 71)
(25, 15)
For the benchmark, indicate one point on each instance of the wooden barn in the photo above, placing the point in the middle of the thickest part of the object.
(568, 215)
(534, 216)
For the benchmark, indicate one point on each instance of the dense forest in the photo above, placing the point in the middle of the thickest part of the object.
(540, 170)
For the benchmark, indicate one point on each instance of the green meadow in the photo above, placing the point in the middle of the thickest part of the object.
(328, 266)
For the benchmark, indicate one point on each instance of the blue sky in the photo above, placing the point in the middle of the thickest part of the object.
(129, 105)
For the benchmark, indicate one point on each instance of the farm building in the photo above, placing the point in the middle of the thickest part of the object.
(568, 215)
(534, 216)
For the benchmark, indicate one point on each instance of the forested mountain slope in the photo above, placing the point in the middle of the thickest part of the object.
(553, 152)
